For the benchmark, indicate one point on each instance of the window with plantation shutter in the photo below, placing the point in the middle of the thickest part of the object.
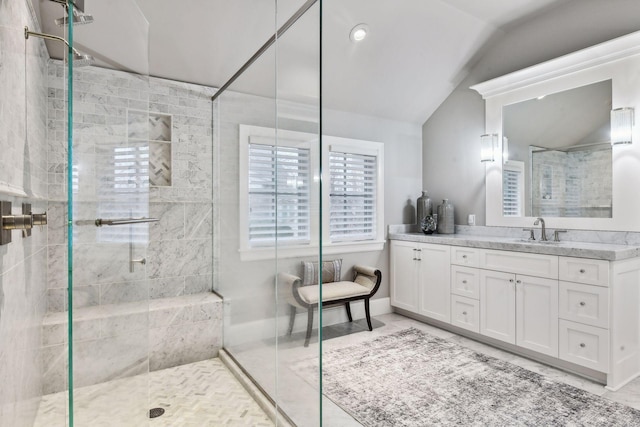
(512, 188)
(353, 204)
(279, 194)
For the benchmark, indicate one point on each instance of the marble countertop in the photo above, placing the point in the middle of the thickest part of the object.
(605, 251)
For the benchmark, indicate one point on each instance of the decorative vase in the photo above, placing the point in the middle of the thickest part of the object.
(429, 224)
(424, 207)
(445, 218)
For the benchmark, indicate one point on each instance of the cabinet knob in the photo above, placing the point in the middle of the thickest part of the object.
(510, 280)
(464, 256)
(518, 281)
(582, 303)
(464, 312)
(464, 281)
(582, 270)
(583, 345)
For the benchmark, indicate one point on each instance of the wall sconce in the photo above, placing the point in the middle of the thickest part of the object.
(505, 149)
(488, 147)
(622, 121)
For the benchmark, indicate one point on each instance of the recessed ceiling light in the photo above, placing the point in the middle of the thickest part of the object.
(359, 32)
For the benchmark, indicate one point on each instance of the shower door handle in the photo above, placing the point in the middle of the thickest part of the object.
(99, 222)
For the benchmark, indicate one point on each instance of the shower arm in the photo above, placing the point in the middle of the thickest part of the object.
(28, 33)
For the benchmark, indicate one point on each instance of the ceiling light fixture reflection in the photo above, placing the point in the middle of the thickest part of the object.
(359, 32)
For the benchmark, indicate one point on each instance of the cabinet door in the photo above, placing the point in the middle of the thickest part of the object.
(537, 314)
(404, 275)
(435, 275)
(498, 305)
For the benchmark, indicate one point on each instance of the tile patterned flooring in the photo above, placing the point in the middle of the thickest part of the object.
(201, 394)
(206, 393)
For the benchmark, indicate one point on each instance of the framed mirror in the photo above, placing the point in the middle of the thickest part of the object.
(555, 159)
(552, 145)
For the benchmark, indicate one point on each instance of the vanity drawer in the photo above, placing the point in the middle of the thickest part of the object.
(465, 313)
(584, 345)
(520, 263)
(465, 281)
(464, 256)
(582, 270)
(584, 303)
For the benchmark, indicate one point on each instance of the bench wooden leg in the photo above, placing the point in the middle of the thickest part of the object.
(366, 310)
(348, 307)
(292, 318)
(309, 325)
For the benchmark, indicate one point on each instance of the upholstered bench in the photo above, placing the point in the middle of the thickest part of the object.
(304, 293)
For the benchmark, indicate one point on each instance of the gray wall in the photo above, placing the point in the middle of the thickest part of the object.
(451, 166)
(23, 178)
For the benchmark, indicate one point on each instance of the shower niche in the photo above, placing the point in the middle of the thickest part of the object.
(156, 129)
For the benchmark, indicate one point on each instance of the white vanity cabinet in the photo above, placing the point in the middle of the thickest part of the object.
(569, 309)
(584, 312)
(599, 320)
(405, 275)
(517, 308)
(420, 277)
(465, 288)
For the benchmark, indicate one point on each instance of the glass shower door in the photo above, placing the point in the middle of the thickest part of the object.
(110, 150)
(267, 201)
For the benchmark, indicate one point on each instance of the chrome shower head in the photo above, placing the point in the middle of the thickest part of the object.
(79, 59)
(77, 19)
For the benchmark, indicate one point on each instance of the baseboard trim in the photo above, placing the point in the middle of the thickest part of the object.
(263, 329)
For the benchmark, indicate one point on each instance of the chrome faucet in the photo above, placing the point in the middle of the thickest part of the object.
(543, 236)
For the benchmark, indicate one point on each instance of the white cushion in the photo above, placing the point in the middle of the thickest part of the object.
(332, 291)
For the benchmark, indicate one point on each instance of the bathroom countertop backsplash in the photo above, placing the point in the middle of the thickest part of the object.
(606, 245)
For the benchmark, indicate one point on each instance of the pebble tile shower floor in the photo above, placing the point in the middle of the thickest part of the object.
(194, 395)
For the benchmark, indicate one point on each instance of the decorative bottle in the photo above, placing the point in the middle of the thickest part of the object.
(445, 218)
(424, 207)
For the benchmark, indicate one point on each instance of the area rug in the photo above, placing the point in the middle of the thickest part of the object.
(411, 378)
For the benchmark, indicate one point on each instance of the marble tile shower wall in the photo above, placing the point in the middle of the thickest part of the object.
(117, 333)
(23, 116)
(567, 185)
(179, 251)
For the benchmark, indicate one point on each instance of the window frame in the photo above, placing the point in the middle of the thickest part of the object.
(367, 148)
(307, 140)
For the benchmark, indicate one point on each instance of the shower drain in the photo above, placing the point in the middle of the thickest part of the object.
(155, 412)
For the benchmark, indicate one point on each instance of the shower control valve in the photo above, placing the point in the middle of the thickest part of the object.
(24, 221)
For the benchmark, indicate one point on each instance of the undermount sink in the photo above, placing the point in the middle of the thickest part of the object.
(538, 242)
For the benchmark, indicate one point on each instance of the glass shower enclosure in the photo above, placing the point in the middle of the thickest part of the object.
(110, 233)
(178, 199)
(267, 198)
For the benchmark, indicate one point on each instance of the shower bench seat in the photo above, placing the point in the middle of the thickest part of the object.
(116, 340)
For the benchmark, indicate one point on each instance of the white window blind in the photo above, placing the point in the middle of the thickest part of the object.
(512, 188)
(279, 195)
(352, 213)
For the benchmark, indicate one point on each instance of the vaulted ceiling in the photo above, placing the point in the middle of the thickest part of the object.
(416, 53)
